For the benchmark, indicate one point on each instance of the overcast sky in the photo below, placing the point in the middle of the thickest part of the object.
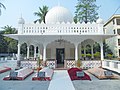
(14, 9)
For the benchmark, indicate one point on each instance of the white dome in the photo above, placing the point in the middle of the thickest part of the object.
(21, 21)
(100, 21)
(58, 14)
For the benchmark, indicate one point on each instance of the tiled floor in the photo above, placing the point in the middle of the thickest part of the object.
(61, 81)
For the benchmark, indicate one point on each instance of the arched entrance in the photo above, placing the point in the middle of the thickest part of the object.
(60, 50)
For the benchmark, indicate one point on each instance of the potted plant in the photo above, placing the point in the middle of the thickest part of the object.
(79, 63)
(39, 64)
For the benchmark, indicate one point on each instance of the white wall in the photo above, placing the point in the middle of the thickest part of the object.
(55, 45)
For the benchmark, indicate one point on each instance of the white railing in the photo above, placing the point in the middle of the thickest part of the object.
(29, 64)
(51, 64)
(91, 64)
(113, 65)
(64, 29)
(69, 63)
(85, 64)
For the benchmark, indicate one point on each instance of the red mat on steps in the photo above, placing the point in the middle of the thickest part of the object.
(73, 75)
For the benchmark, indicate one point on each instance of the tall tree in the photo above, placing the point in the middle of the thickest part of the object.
(1, 6)
(86, 10)
(41, 14)
(11, 43)
(3, 45)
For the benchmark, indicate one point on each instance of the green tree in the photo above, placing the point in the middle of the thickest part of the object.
(41, 14)
(106, 49)
(86, 11)
(11, 43)
(2, 6)
(3, 45)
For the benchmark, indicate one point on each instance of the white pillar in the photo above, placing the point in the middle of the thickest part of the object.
(92, 51)
(35, 52)
(80, 52)
(28, 51)
(39, 52)
(18, 53)
(44, 53)
(76, 52)
(85, 51)
(101, 50)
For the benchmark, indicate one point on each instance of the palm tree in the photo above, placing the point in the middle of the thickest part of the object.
(2, 6)
(41, 14)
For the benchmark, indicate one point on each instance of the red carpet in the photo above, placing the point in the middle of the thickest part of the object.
(73, 76)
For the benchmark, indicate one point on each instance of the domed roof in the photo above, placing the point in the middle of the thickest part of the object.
(21, 21)
(58, 14)
(100, 21)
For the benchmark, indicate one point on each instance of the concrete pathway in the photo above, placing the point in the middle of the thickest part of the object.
(61, 81)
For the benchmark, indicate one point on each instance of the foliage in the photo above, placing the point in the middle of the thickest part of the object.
(8, 45)
(96, 47)
(88, 55)
(24, 49)
(38, 62)
(79, 63)
(2, 6)
(106, 49)
(86, 11)
(41, 14)
(97, 55)
(82, 55)
(109, 56)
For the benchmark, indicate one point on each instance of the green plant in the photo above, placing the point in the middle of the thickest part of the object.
(82, 55)
(97, 55)
(79, 63)
(89, 55)
(109, 56)
(38, 62)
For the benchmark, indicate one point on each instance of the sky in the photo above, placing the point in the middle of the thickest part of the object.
(26, 8)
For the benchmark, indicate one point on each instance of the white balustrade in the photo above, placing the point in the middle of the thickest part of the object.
(113, 65)
(91, 64)
(51, 64)
(64, 29)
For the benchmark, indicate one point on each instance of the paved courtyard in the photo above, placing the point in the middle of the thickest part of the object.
(28, 84)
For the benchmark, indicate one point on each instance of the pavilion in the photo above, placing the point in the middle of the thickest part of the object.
(59, 40)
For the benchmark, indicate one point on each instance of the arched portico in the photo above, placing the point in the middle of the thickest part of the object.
(60, 50)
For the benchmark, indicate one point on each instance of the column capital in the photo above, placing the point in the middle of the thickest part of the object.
(76, 44)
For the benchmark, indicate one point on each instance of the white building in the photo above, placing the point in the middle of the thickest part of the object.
(112, 26)
(59, 40)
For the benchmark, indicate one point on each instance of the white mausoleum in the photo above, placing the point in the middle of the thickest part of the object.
(59, 40)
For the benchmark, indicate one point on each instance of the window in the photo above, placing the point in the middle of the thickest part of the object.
(114, 32)
(113, 22)
(118, 41)
(118, 21)
(119, 52)
(118, 31)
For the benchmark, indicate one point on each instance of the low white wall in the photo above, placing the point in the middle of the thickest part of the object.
(113, 65)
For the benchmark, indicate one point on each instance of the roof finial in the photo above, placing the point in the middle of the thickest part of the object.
(21, 15)
(58, 3)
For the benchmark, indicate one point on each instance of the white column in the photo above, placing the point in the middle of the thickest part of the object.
(35, 52)
(18, 53)
(39, 52)
(85, 51)
(80, 52)
(28, 51)
(92, 51)
(44, 53)
(101, 50)
(76, 52)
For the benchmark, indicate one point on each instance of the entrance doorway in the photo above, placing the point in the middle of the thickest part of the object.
(60, 57)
